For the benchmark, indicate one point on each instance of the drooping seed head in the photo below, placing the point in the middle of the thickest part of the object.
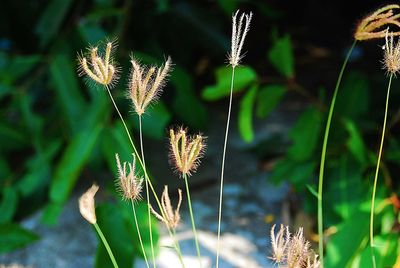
(128, 183)
(87, 204)
(239, 32)
(186, 151)
(374, 25)
(170, 217)
(391, 55)
(100, 68)
(146, 83)
(279, 243)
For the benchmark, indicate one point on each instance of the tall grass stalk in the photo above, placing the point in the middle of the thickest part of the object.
(147, 193)
(139, 235)
(192, 218)
(371, 225)
(323, 158)
(106, 245)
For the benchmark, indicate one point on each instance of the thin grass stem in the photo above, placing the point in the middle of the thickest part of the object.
(223, 167)
(192, 218)
(139, 235)
(147, 192)
(323, 158)
(106, 245)
(371, 225)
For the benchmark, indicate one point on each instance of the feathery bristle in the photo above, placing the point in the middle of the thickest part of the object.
(169, 216)
(238, 36)
(391, 56)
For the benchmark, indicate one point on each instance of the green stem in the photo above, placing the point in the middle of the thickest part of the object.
(139, 235)
(192, 218)
(323, 157)
(147, 193)
(177, 247)
(371, 225)
(221, 190)
(107, 246)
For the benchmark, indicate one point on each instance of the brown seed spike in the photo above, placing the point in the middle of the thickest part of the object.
(128, 184)
(170, 217)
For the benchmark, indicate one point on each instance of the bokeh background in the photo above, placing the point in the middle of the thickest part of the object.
(58, 134)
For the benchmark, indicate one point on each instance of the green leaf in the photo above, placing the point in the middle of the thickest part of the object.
(298, 173)
(185, 103)
(51, 19)
(281, 56)
(312, 190)
(8, 204)
(91, 33)
(245, 117)
(355, 142)
(11, 138)
(268, 98)
(155, 120)
(386, 252)
(65, 82)
(305, 135)
(228, 6)
(21, 65)
(244, 76)
(13, 237)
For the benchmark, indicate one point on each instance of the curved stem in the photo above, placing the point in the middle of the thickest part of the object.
(371, 225)
(323, 157)
(139, 235)
(147, 193)
(223, 167)
(106, 245)
(192, 218)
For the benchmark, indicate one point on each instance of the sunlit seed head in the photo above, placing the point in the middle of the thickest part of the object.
(168, 215)
(391, 55)
(99, 68)
(128, 183)
(279, 243)
(186, 151)
(87, 204)
(239, 32)
(146, 83)
(374, 25)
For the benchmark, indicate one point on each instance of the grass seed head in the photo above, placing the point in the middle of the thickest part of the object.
(374, 25)
(87, 205)
(169, 216)
(128, 183)
(239, 32)
(279, 243)
(391, 55)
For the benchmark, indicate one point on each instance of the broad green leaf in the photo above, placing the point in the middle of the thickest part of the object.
(186, 104)
(21, 65)
(355, 142)
(281, 56)
(8, 204)
(155, 120)
(65, 82)
(244, 77)
(13, 237)
(268, 98)
(305, 135)
(245, 117)
(50, 21)
(298, 173)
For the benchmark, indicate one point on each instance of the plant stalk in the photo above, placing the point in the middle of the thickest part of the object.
(106, 245)
(139, 235)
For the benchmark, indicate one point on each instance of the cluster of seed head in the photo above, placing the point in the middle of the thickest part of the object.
(374, 25)
(146, 83)
(239, 32)
(168, 215)
(128, 183)
(292, 249)
(102, 70)
(391, 55)
(185, 151)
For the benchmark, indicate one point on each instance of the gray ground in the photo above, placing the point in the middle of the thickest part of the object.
(248, 199)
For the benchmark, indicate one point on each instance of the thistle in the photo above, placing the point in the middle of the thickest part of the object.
(146, 83)
(238, 35)
(128, 184)
(101, 70)
(87, 206)
(186, 151)
(391, 56)
(170, 217)
(371, 26)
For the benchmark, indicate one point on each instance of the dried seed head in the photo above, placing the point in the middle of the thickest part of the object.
(279, 243)
(391, 55)
(373, 26)
(87, 206)
(128, 184)
(312, 261)
(170, 217)
(298, 250)
(146, 83)
(239, 33)
(186, 151)
(102, 70)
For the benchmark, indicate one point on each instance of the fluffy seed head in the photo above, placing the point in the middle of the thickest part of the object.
(128, 184)
(87, 206)
(373, 26)
(298, 250)
(170, 217)
(185, 151)
(239, 32)
(146, 83)
(279, 243)
(391, 55)
(100, 68)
